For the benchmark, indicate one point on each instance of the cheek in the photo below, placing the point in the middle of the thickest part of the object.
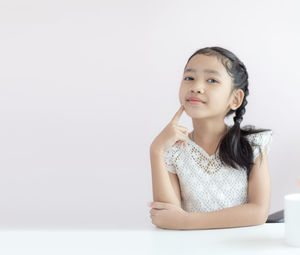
(216, 101)
(180, 100)
(219, 97)
(181, 97)
(220, 105)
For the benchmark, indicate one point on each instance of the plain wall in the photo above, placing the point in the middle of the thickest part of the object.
(86, 86)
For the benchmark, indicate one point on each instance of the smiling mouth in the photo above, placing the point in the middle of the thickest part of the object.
(195, 102)
(195, 99)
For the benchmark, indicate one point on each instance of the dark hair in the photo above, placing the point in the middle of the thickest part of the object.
(235, 149)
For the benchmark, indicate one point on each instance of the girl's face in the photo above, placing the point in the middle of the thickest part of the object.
(210, 82)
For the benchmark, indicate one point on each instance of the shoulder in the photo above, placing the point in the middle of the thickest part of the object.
(260, 142)
(173, 152)
(171, 157)
(260, 138)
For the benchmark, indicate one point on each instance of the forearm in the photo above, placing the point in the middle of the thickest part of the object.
(237, 216)
(161, 185)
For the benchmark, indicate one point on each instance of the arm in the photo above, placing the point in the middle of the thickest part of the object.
(255, 212)
(238, 216)
(162, 187)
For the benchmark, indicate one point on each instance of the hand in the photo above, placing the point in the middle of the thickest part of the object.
(171, 134)
(168, 216)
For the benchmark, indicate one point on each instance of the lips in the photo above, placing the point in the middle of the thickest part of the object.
(195, 99)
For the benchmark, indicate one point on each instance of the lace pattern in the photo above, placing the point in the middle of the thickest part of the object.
(263, 139)
(207, 185)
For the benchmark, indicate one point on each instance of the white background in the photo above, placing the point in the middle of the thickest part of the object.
(85, 87)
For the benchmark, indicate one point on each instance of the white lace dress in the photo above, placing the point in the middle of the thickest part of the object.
(207, 185)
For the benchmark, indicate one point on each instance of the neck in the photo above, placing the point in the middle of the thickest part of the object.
(208, 132)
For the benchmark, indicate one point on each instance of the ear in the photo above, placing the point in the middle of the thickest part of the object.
(237, 99)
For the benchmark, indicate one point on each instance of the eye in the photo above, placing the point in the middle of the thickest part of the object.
(208, 79)
(213, 80)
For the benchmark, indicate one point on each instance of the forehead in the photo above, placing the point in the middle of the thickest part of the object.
(199, 63)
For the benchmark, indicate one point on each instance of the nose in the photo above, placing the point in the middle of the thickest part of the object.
(198, 87)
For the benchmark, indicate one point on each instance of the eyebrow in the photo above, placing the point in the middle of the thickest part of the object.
(191, 70)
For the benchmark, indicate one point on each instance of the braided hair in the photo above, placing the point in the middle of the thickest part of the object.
(235, 149)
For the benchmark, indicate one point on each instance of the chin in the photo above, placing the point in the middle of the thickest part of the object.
(194, 110)
(195, 114)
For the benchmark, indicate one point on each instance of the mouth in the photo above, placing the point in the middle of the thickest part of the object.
(195, 100)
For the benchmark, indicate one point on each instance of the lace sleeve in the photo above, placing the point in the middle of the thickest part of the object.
(169, 157)
(264, 140)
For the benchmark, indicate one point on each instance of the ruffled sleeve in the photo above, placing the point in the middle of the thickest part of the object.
(264, 140)
(170, 158)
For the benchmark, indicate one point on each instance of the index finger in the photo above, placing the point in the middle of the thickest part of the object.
(177, 115)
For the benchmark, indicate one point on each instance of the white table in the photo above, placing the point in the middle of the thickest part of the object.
(262, 239)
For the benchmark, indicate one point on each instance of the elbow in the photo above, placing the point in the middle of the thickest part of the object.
(265, 218)
(261, 221)
(262, 216)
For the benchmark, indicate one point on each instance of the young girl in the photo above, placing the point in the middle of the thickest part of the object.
(218, 175)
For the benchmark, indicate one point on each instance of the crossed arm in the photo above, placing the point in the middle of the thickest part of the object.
(238, 216)
(255, 212)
